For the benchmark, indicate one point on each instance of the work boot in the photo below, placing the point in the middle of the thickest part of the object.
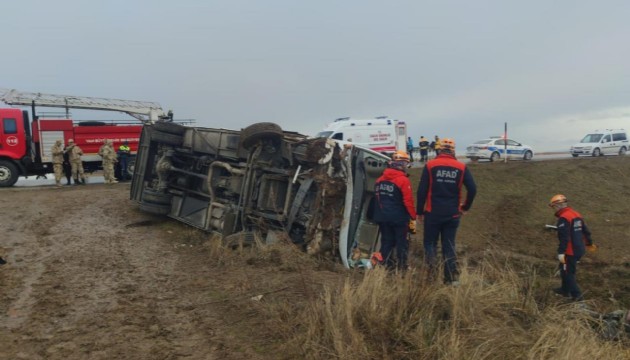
(2, 261)
(76, 181)
(83, 181)
(559, 291)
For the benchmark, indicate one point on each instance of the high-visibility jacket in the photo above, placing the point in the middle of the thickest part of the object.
(573, 234)
(440, 189)
(394, 198)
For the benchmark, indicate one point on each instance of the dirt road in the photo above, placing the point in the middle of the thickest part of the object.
(87, 278)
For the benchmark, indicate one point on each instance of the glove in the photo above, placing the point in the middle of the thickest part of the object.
(412, 226)
(591, 248)
(561, 258)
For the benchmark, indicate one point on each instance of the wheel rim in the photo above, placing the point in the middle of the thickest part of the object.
(622, 151)
(5, 174)
(528, 155)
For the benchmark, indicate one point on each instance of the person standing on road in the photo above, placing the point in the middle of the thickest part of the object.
(574, 239)
(410, 148)
(437, 146)
(67, 168)
(424, 149)
(74, 155)
(57, 160)
(123, 156)
(394, 211)
(439, 207)
(109, 158)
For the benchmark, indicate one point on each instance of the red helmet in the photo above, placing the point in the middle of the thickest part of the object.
(557, 199)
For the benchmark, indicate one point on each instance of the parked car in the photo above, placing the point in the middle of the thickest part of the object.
(262, 185)
(494, 149)
(602, 142)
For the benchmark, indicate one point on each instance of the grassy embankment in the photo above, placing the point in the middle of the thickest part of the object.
(504, 308)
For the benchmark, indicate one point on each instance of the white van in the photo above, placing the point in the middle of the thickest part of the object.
(602, 142)
(380, 134)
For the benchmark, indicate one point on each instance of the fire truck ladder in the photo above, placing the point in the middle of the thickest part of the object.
(142, 110)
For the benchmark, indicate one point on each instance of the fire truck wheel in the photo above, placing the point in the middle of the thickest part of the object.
(169, 127)
(156, 209)
(8, 173)
(253, 133)
(156, 197)
(166, 138)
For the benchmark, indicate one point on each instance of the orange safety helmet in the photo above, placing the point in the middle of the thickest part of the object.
(400, 156)
(557, 199)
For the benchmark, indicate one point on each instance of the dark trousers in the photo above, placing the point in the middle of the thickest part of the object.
(424, 156)
(67, 170)
(444, 228)
(123, 167)
(569, 282)
(410, 152)
(394, 235)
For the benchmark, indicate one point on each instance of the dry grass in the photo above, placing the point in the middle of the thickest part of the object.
(492, 315)
(503, 309)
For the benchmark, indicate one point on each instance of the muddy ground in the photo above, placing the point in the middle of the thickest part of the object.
(90, 276)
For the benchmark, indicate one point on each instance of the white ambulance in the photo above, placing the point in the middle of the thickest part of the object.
(381, 134)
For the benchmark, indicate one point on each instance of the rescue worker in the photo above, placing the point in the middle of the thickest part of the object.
(437, 146)
(123, 155)
(57, 160)
(410, 148)
(438, 204)
(109, 158)
(424, 149)
(74, 155)
(574, 239)
(394, 211)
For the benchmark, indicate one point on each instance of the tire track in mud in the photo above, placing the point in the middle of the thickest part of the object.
(82, 285)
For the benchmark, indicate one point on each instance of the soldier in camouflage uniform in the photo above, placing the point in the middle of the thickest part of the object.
(74, 153)
(57, 160)
(109, 158)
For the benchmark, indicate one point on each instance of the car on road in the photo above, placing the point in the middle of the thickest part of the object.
(602, 142)
(494, 148)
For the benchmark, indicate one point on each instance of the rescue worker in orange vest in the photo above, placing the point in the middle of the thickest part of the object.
(574, 239)
(438, 204)
(394, 211)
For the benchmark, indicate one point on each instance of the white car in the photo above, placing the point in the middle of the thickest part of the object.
(494, 149)
(602, 142)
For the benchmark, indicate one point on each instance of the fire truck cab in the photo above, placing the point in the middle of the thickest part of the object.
(25, 145)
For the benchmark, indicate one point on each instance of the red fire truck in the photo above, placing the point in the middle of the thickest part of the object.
(25, 145)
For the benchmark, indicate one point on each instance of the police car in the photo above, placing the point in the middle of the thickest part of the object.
(494, 148)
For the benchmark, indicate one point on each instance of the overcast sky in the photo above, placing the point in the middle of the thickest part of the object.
(553, 70)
